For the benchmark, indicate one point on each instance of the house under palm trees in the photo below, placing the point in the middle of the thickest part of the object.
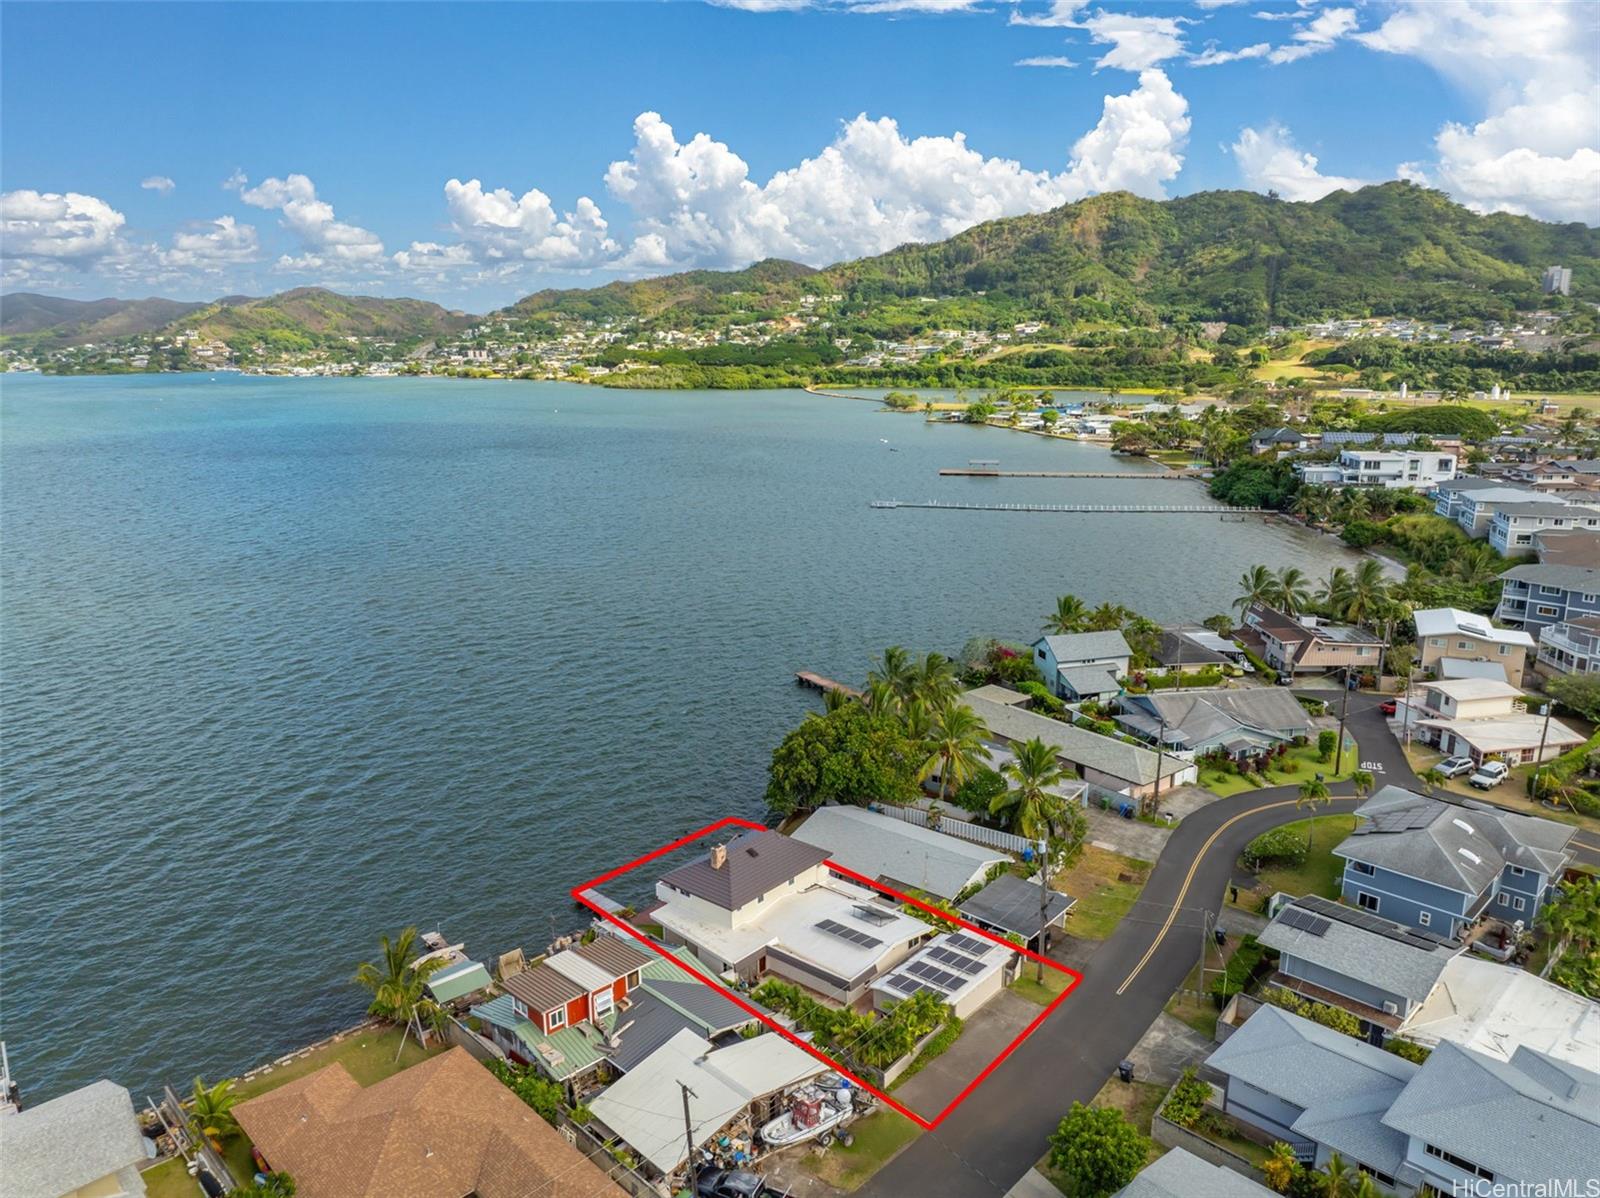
(1309, 645)
(1083, 665)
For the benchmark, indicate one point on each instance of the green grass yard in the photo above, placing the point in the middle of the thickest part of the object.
(1303, 766)
(1106, 886)
(170, 1179)
(1044, 993)
(1318, 873)
(879, 1138)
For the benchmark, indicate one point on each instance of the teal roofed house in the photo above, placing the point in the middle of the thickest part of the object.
(458, 981)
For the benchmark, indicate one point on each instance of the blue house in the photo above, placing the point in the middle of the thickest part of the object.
(1536, 595)
(1444, 866)
(1083, 665)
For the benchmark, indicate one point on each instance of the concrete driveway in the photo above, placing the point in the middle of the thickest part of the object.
(985, 1036)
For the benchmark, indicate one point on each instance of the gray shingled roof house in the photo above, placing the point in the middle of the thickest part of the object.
(1457, 1117)
(1439, 866)
(1239, 721)
(1181, 1174)
(1082, 665)
(71, 1143)
(897, 853)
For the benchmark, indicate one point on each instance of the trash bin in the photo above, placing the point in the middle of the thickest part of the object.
(1125, 1070)
(1220, 934)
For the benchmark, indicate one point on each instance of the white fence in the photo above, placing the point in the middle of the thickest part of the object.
(994, 838)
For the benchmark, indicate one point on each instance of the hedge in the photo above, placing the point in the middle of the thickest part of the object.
(1247, 963)
(1280, 844)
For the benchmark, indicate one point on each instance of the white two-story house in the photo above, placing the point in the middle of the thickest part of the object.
(1409, 469)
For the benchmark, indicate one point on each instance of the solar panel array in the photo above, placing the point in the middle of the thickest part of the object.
(942, 978)
(968, 944)
(1303, 921)
(850, 934)
(875, 915)
(910, 986)
(1368, 922)
(948, 956)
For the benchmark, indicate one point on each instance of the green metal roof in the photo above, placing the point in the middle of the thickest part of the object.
(457, 981)
(579, 1047)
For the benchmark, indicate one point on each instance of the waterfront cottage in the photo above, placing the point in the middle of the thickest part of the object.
(1083, 665)
(446, 1126)
(84, 1144)
(1307, 644)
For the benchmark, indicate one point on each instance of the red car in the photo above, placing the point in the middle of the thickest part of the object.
(1387, 707)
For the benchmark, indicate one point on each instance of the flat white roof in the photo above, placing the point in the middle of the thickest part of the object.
(1473, 688)
(791, 924)
(1444, 621)
(1508, 732)
(1494, 1009)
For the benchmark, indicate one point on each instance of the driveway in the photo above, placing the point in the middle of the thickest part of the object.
(985, 1036)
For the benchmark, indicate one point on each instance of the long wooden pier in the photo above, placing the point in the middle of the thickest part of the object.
(1144, 509)
(970, 472)
(817, 682)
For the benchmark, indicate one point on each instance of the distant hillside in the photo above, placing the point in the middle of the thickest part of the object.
(47, 318)
(1235, 256)
(769, 282)
(312, 313)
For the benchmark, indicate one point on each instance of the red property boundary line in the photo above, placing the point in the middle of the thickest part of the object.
(579, 895)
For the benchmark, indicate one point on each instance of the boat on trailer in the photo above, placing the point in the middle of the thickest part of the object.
(813, 1110)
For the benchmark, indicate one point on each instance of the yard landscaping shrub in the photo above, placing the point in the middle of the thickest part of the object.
(1408, 1050)
(1043, 700)
(873, 1040)
(1278, 845)
(1097, 1150)
(978, 791)
(524, 1081)
(1188, 1099)
(1327, 741)
(1335, 1018)
(933, 1048)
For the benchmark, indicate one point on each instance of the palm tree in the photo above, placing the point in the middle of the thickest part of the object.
(1069, 616)
(1334, 590)
(1357, 504)
(212, 1110)
(1574, 917)
(1030, 808)
(1366, 1187)
(397, 983)
(1474, 564)
(1106, 617)
(896, 670)
(956, 741)
(1280, 1167)
(1340, 1183)
(1291, 591)
(933, 682)
(1313, 794)
(1255, 586)
(1430, 779)
(1362, 781)
(1365, 593)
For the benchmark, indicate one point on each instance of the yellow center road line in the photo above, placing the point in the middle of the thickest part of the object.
(1177, 903)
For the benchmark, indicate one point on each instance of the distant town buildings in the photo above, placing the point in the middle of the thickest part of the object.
(1558, 280)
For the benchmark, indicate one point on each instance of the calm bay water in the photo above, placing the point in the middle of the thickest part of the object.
(290, 663)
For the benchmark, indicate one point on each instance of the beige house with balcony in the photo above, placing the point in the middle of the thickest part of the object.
(1482, 719)
(1450, 634)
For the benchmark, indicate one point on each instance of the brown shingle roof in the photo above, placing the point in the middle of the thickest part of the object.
(442, 1129)
(542, 988)
(613, 954)
(757, 862)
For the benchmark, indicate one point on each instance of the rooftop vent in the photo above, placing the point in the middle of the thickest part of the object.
(719, 856)
(1471, 856)
(1465, 827)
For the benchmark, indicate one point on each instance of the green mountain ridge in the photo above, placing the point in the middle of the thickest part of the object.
(77, 322)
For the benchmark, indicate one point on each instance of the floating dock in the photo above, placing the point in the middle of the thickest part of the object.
(1085, 509)
(817, 682)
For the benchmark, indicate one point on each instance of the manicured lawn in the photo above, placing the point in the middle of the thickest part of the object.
(1029, 987)
(1106, 886)
(1303, 766)
(1319, 872)
(170, 1179)
(879, 1138)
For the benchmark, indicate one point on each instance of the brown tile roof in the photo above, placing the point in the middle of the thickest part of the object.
(542, 988)
(442, 1129)
(757, 862)
(613, 954)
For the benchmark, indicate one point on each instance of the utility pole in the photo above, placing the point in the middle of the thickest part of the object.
(1344, 705)
(1538, 767)
(1161, 742)
(688, 1138)
(1205, 934)
(1044, 900)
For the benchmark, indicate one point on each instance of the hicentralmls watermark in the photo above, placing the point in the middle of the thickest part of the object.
(1556, 1187)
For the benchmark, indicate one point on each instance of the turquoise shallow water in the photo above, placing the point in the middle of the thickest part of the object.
(289, 663)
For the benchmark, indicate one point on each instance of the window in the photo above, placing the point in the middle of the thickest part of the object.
(1461, 1163)
(1424, 918)
(1463, 644)
(1517, 871)
(1545, 609)
(1438, 642)
(556, 1018)
(600, 1002)
(1505, 650)
(1518, 903)
(1544, 590)
(1367, 902)
(1503, 899)
(1363, 867)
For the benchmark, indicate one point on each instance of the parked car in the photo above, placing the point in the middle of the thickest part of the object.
(1489, 775)
(1387, 707)
(1454, 767)
(730, 1183)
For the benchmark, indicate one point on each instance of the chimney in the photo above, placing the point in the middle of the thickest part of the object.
(719, 856)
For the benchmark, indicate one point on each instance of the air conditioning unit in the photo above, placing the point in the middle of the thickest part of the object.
(1390, 1008)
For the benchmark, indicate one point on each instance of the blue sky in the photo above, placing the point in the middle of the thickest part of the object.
(474, 153)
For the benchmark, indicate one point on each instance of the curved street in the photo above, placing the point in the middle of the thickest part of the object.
(997, 1135)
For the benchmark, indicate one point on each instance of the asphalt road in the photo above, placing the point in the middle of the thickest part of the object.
(995, 1137)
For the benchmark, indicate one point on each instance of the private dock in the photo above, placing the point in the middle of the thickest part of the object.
(1085, 509)
(817, 682)
(979, 472)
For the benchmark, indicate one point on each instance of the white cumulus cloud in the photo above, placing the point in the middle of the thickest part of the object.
(1320, 34)
(1136, 41)
(327, 244)
(1269, 161)
(1046, 60)
(1059, 14)
(66, 228)
(158, 183)
(212, 245)
(873, 188)
(498, 227)
(1536, 150)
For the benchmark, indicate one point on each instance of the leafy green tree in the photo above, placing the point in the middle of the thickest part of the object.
(980, 790)
(270, 1185)
(851, 755)
(1097, 1150)
(1573, 915)
(1579, 693)
(1030, 808)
